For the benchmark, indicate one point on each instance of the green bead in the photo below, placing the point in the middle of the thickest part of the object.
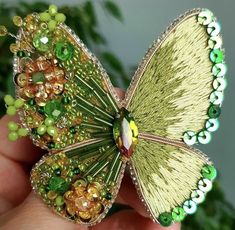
(59, 201)
(76, 171)
(60, 17)
(57, 172)
(214, 111)
(103, 194)
(65, 100)
(49, 121)
(216, 56)
(41, 130)
(58, 185)
(22, 132)
(21, 54)
(13, 136)
(12, 126)
(109, 196)
(11, 111)
(54, 109)
(31, 102)
(19, 103)
(41, 110)
(90, 178)
(38, 78)
(51, 130)
(53, 10)
(64, 51)
(209, 172)
(9, 100)
(41, 190)
(72, 130)
(51, 145)
(178, 214)
(52, 25)
(45, 17)
(165, 219)
(42, 41)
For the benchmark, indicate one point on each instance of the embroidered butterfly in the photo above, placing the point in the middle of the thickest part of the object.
(70, 108)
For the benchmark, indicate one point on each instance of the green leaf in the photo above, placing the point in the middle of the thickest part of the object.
(97, 37)
(89, 9)
(113, 61)
(113, 9)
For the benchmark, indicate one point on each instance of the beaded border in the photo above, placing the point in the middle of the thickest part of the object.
(219, 70)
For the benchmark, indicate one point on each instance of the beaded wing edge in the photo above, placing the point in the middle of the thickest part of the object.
(69, 107)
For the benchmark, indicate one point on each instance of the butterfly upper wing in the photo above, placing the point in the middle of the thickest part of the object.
(60, 79)
(179, 84)
(176, 95)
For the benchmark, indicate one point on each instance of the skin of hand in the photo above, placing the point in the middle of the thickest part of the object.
(21, 209)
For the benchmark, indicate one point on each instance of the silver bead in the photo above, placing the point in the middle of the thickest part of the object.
(205, 185)
(213, 29)
(205, 17)
(190, 138)
(190, 207)
(219, 84)
(219, 70)
(198, 196)
(215, 42)
(212, 125)
(216, 98)
(204, 137)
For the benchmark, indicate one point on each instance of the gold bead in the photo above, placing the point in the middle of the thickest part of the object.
(14, 48)
(84, 215)
(92, 193)
(17, 20)
(51, 195)
(3, 31)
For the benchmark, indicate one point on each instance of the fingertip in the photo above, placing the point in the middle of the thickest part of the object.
(34, 214)
(22, 150)
(130, 220)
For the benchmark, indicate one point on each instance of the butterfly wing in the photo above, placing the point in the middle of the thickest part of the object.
(70, 108)
(172, 180)
(178, 88)
(80, 183)
(68, 96)
(176, 95)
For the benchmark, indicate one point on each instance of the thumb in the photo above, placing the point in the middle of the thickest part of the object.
(34, 214)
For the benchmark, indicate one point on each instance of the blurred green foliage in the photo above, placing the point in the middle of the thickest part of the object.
(216, 213)
(82, 19)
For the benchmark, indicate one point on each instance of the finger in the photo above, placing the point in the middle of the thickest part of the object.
(130, 220)
(14, 157)
(128, 195)
(33, 214)
(21, 150)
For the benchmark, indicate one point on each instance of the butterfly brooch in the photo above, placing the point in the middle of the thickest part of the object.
(68, 106)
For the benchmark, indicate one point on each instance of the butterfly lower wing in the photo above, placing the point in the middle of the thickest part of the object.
(68, 96)
(172, 180)
(80, 183)
(178, 89)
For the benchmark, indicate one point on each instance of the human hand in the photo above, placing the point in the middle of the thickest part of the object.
(21, 209)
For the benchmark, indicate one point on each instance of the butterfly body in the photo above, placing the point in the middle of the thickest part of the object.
(71, 109)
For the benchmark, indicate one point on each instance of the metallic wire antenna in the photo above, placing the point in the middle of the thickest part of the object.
(68, 106)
